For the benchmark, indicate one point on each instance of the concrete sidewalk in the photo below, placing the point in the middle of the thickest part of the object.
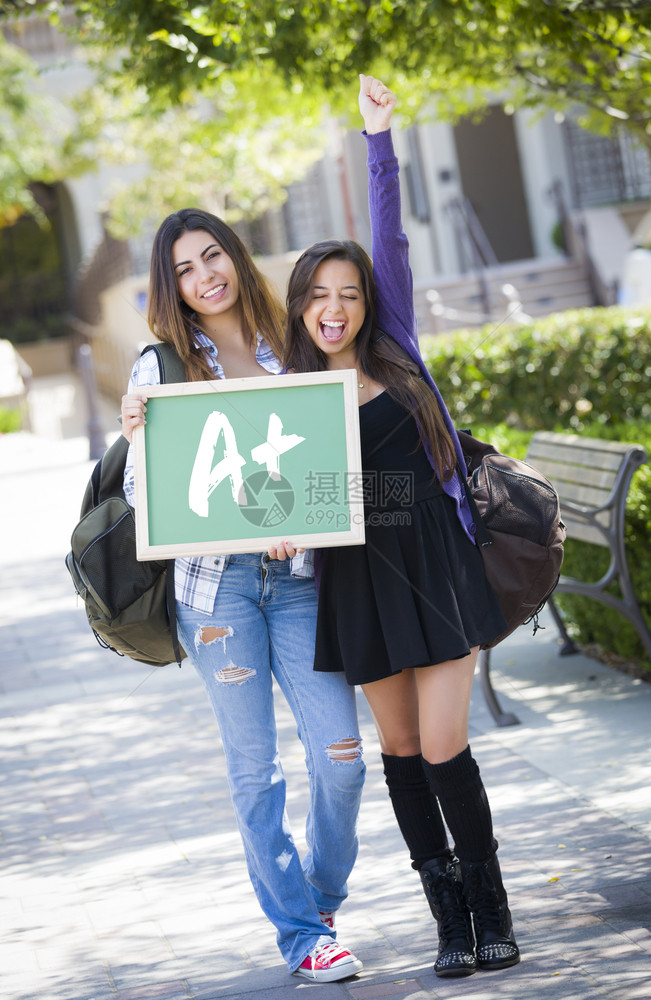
(123, 874)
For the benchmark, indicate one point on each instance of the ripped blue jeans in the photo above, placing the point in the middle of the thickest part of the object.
(263, 626)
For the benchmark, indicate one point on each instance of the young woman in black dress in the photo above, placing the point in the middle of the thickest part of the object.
(405, 614)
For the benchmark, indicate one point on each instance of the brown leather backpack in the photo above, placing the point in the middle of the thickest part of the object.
(520, 533)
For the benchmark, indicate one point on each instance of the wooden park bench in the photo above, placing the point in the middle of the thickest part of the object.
(592, 478)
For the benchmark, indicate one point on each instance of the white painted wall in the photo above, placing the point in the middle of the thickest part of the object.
(542, 160)
(436, 252)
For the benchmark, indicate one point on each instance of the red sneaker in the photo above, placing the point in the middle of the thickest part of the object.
(328, 962)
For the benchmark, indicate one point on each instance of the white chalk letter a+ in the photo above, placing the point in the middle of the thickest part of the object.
(206, 477)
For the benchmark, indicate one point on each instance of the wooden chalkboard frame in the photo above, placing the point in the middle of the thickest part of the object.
(343, 413)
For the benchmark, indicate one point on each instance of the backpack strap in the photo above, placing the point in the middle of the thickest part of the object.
(170, 597)
(482, 537)
(170, 365)
(474, 452)
(171, 369)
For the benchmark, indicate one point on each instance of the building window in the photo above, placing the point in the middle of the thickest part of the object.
(604, 170)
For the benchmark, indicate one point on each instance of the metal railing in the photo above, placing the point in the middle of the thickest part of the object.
(475, 250)
(104, 365)
(477, 256)
(577, 245)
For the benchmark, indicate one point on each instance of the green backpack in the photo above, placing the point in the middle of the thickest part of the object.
(130, 605)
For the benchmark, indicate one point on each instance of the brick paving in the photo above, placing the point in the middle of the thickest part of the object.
(122, 872)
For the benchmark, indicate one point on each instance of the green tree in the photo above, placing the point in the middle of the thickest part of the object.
(234, 148)
(226, 152)
(40, 138)
(246, 82)
(457, 53)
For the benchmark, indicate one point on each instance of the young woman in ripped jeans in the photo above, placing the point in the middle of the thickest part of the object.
(245, 620)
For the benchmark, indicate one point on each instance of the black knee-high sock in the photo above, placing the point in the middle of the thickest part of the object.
(458, 786)
(416, 809)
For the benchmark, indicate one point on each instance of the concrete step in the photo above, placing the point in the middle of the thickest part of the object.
(542, 286)
(543, 301)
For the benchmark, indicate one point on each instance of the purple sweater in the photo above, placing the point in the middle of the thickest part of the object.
(394, 303)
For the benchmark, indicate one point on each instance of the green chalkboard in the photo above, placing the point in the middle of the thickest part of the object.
(236, 464)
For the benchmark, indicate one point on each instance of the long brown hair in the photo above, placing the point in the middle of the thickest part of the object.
(378, 356)
(172, 321)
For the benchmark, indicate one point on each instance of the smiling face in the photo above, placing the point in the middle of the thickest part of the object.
(205, 275)
(336, 310)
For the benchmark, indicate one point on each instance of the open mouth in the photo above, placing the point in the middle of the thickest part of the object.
(212, 293)
(332, 331)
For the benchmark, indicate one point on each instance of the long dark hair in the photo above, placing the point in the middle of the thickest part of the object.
(169, 317)
(378, 356)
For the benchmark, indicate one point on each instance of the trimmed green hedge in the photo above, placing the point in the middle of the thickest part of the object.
(10, 420)
(586, 371)
(565, 370)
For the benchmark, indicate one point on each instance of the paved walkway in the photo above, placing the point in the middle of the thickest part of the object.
(123, 875)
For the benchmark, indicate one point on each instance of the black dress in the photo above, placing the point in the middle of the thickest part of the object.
(416, 593)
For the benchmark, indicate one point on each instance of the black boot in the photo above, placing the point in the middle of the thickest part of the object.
(486, 898)
(442, 884)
